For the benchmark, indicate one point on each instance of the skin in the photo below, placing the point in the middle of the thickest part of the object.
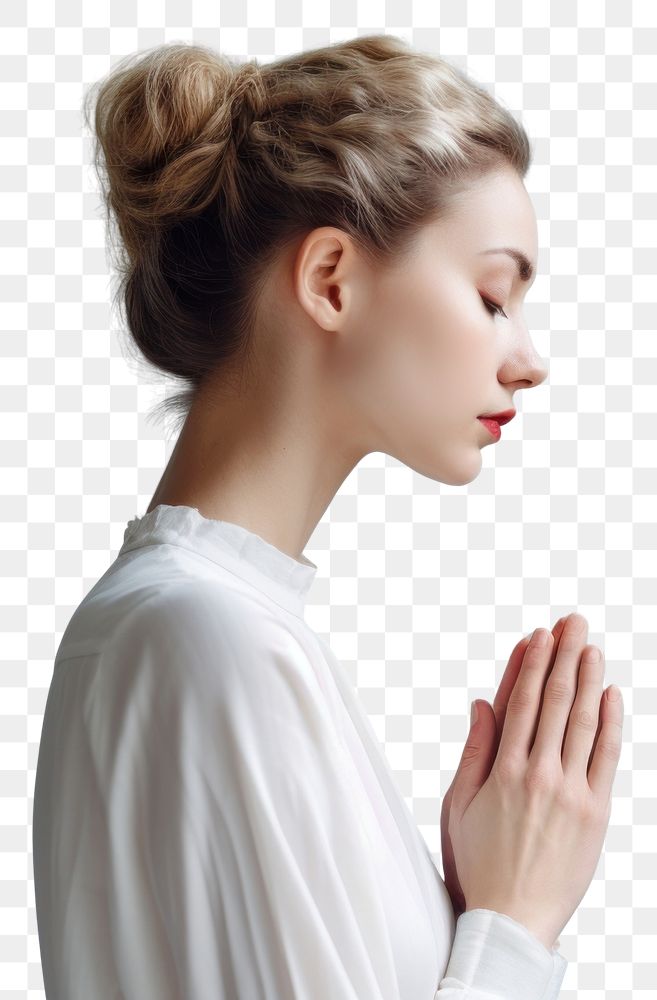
(352, 359)
(490, 743)
(570, 694)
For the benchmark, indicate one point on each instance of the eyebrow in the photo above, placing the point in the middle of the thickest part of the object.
(525, 267)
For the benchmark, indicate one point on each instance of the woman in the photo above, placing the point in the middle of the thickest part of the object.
(330, 252)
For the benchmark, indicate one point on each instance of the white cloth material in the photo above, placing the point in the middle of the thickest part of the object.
(214, 816)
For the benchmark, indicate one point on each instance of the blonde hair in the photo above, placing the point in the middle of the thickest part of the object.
(209, 169)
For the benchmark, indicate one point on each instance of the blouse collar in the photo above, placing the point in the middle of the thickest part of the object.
(236, 548)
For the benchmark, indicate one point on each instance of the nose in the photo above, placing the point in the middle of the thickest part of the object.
(537, 371)
(525, 366)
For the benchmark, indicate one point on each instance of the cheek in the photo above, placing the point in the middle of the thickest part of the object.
(437, 355)
(422, 363)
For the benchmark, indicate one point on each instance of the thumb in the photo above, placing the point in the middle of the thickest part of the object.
(479, 751)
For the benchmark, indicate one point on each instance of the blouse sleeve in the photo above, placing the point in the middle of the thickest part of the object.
(495, 956)
(237, 861)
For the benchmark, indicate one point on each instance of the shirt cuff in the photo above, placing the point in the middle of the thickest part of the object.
(494, 953)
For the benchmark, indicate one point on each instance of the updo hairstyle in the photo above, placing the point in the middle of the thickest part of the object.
(208, 169)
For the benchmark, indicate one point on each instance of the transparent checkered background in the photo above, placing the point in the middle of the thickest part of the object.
(422, 589)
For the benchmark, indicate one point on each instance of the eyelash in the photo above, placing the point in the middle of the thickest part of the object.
(493, 309)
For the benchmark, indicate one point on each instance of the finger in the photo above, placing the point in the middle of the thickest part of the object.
(583, 718)
(560, 690)
(523, 706)
(608, 748)
(511, 672)
(597, 734)
(509, 678)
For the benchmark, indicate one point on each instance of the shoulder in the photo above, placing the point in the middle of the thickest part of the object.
(198, 673)
(191, 611)
(200, 639)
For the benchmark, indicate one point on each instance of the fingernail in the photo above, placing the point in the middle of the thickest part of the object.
(474, 714)
(614, 693)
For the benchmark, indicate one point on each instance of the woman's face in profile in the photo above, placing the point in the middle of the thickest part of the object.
(434, 352)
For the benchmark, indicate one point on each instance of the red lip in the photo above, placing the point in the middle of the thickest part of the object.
(499, 418)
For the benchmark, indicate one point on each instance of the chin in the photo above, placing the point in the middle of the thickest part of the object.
(451, 474)
(459, 480)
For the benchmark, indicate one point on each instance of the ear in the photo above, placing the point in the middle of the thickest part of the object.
(323, 275)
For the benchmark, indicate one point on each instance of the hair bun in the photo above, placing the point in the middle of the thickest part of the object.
(163, 120)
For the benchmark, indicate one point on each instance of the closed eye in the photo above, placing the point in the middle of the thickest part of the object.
(492, 308)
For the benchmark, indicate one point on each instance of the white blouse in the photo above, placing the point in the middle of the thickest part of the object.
(214, 817)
